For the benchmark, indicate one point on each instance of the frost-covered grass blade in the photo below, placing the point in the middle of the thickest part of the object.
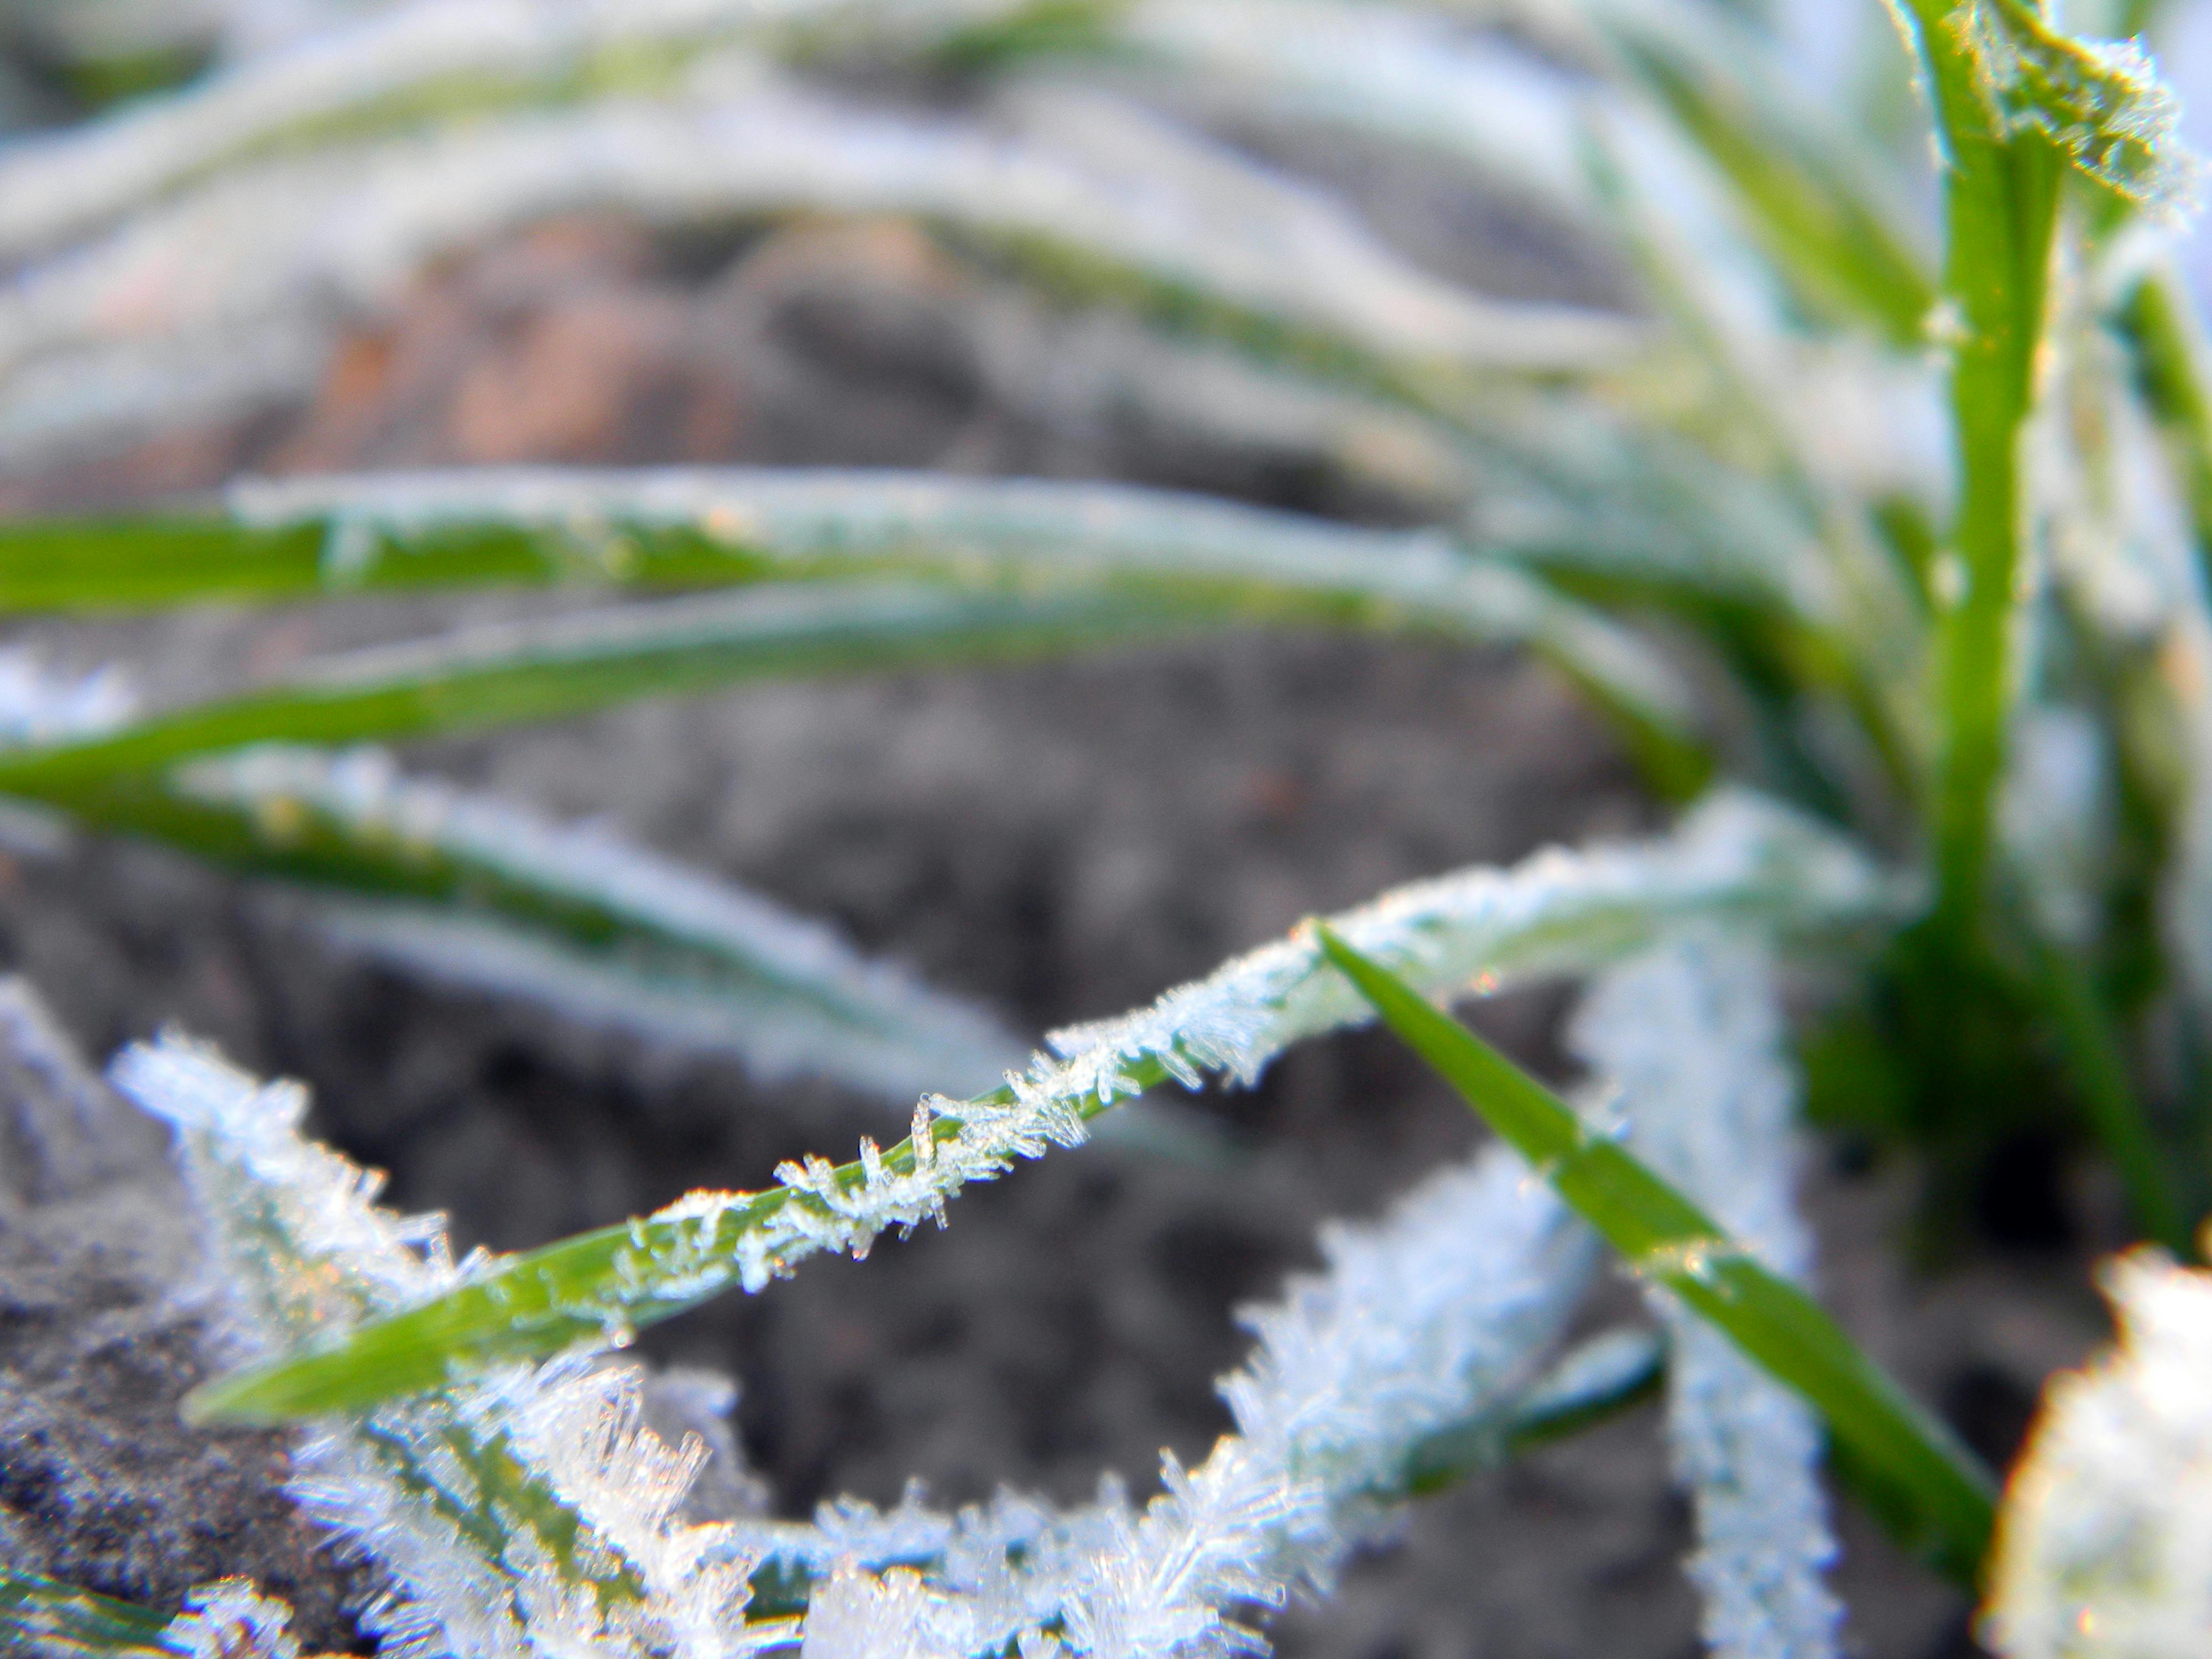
(1922, 1482)
(1015, 568)
(1736, 856)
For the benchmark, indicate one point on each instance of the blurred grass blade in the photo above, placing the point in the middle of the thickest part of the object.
(381, 70)
(546, 669)
(495, 896)
(1918, 1479)
(1592, 1382)
(1045, 566)
(1735, 856)
(60, 1621)
(1086, 194)
(1815, 205)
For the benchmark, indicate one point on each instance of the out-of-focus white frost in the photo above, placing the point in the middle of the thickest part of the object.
(1691, 1043)
(695, 959)
(2103, 1547)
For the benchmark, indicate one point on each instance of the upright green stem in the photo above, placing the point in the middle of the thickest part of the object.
(2001, 194)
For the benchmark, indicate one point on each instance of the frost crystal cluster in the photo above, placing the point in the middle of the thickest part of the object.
(2105, 1548)
(1692, 1046)
(528, 1513)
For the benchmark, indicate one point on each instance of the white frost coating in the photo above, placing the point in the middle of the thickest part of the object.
(2101, 100)
(331, 241)
(527, 1514)
(699, 960)
(37, 706)
(1736, 855)
(1689, 1038)
(815, 522)
(2104, 1546)
(341, 70)
(1405, 75)
(1437, 1313)
(229, 1619)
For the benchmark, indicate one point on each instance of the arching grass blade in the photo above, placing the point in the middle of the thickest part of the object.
(1915, 1474)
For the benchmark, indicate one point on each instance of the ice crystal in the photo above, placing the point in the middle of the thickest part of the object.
(696, 959)
(230, 1619)
(2104, 1546)
(1437, 1313)
(1690, 1041)
(527, 1513)
(2101, 102)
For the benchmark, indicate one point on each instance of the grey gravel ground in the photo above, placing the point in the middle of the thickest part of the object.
(1061, 841)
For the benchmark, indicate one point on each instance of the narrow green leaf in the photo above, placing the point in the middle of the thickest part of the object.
(39, 1616)
(478, 892)
(1918, 1478)
(1114, 561)
(1817, 207)
(569, 665)
(1735, 856)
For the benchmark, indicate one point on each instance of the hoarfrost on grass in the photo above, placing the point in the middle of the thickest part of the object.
(1438, 1314)
(525, 1513)
(1690, 1042)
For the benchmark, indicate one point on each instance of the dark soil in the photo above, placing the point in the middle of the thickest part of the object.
(1061, 841)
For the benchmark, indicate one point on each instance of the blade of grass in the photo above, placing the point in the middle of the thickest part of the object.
(1593, 1383)
(568, 666)
(476, 890)
(1817, 208)
(2161, 326)
(39, 1616)
(2000, 202)
(1735, 856)
(1929, 1488)
(1139, 561)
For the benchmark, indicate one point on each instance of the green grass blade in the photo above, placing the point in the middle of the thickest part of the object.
(1592, 1383)
(1120, 561)
(1922, 1482)
(2001, 197)
(38, 1616)
(1816, 207)
(1735, 856)
(569, 665)
(2161, 324)
(1082, 193)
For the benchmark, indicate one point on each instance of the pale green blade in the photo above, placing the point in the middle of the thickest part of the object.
(468, 890)
(1089, 195)
(1042, 565)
